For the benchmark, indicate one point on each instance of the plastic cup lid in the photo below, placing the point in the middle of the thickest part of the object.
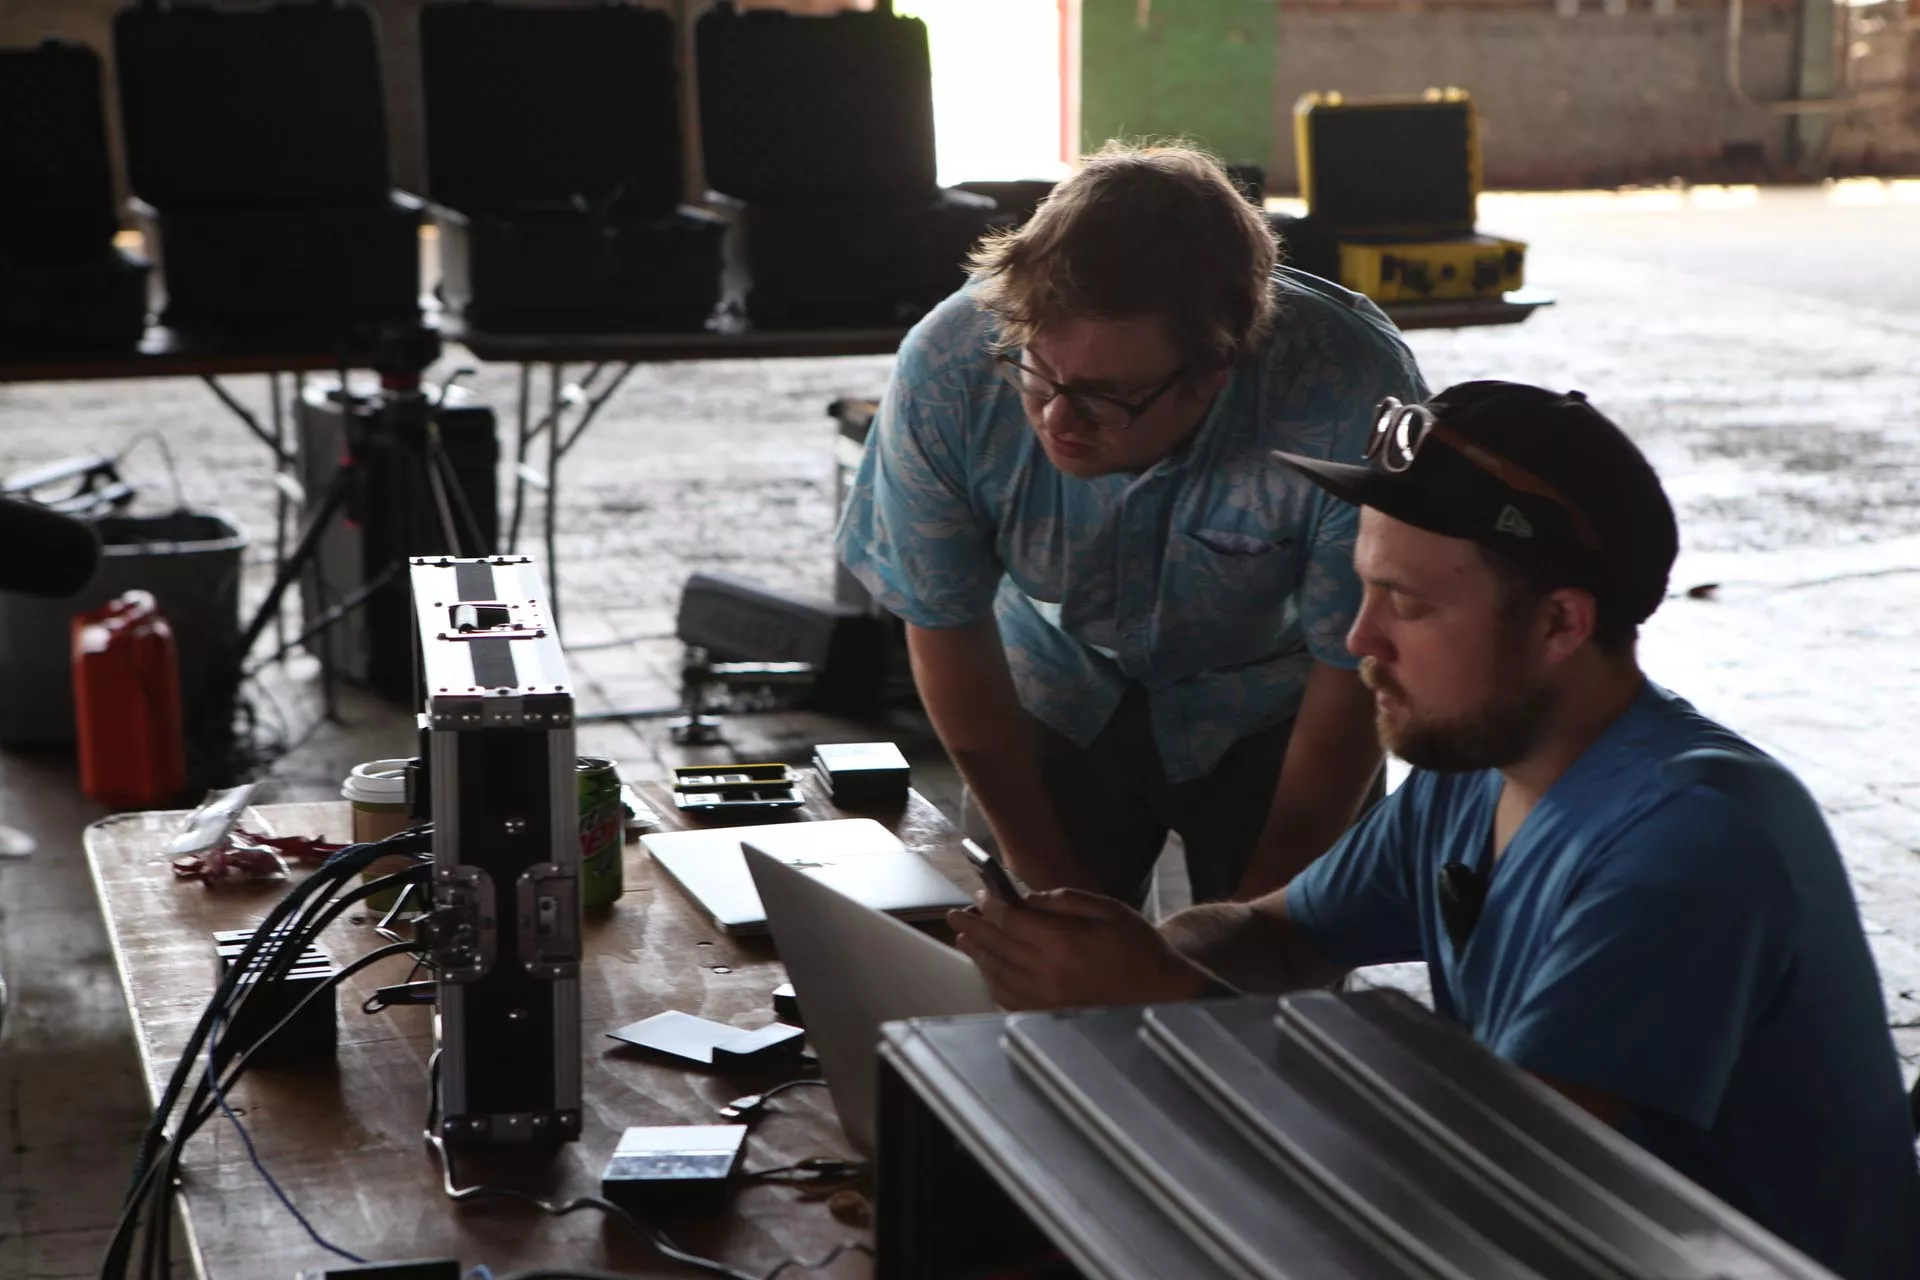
(377, 782)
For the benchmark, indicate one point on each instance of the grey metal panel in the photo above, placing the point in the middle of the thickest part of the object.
(1413, 1062)
(1318, 1139)
(565, 854)
(450, 998)
(1101, 1150)
(451, 1028)
(566, 1048)
(1062, 1182)
(541, 697)
(507, 894)
(1228, 1197)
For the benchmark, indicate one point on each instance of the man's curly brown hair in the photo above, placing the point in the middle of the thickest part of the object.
(1138, 231)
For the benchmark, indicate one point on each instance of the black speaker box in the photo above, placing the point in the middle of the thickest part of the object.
(816, 110)
(57, 209)
(391, 514)
(266, 108)
(327, 271)
(1019, 199)
(554, 163)
(824, 265)
(99, 304)
(542, 108)
(1390, 168)
(563, 271)
(1307, 244)
(736, 620)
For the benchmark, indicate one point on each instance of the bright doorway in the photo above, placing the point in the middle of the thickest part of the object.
(997, 100)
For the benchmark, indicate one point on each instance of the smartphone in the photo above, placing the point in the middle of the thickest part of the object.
(999, 883)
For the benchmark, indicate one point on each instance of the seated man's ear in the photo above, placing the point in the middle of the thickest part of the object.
(1569, 615)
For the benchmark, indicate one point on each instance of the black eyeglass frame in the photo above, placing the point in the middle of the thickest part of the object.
(1012, 370)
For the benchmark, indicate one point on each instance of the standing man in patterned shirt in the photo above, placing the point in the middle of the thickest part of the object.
(1124, 618)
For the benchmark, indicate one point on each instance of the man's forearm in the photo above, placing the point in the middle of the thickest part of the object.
(1332, 758)
(968, 693)
(1005, 783)
(1249, 945)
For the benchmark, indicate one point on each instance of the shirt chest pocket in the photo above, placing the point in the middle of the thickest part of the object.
(1235, 593)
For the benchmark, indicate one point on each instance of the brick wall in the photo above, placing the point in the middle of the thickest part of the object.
(1565, 101)
(1557, 7)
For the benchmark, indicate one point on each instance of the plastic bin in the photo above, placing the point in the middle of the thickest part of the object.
(190, 561)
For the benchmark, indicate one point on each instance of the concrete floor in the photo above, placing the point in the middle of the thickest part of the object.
(1760, 346)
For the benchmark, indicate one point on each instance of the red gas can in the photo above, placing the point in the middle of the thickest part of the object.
(126, 700)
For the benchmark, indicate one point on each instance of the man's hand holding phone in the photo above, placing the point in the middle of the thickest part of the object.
(993, 873)
(1064, 948)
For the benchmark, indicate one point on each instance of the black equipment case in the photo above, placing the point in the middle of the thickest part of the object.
(554, 164)
(736, 620)
(275, 108)
(498, 736)
(337, 270)
(562, 270)
(1018, 199)
(853, 265)
(801, 110)
(256, 144)
(821, 128)
(63, 284)
(1392, 188)
(1389, 168)
(98, 305)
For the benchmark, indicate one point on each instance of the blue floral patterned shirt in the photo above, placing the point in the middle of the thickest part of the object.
(1214, 579)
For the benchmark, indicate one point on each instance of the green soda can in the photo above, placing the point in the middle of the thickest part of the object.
(602, 831)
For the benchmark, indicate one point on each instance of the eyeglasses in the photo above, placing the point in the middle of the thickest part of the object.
(1399, 430)
(1109, 413)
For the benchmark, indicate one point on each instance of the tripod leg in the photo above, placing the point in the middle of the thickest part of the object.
(280, 496)
(520, 457)
(553, 504)
(428, 466)
(320, 625)
(476, 542)
(290, 569)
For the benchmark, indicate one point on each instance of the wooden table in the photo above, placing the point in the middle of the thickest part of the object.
(344, 1137)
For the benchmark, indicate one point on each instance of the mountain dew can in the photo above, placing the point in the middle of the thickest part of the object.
(602, 831)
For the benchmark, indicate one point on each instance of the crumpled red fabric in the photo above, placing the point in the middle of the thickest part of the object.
(246, 856)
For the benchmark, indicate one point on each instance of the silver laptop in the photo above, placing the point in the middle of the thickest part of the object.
(857, 856)
(853, 969)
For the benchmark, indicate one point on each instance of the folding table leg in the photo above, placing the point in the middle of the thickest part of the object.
(522, 441)
(554, 450)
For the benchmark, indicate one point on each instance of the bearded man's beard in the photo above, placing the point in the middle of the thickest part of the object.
(1496, 734)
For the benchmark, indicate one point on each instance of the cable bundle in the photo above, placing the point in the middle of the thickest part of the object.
(220, 1060)
(214, 1060)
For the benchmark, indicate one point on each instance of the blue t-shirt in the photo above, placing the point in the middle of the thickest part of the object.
(1671, 925)
(1214, 579)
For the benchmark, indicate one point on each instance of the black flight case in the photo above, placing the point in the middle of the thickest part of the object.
(63, 283)
(554, 165)
(819, 130)
(257, 153)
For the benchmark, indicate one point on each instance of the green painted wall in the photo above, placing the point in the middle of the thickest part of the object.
(1202, 69)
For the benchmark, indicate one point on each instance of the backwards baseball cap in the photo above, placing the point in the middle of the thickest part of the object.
(1538, 474)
